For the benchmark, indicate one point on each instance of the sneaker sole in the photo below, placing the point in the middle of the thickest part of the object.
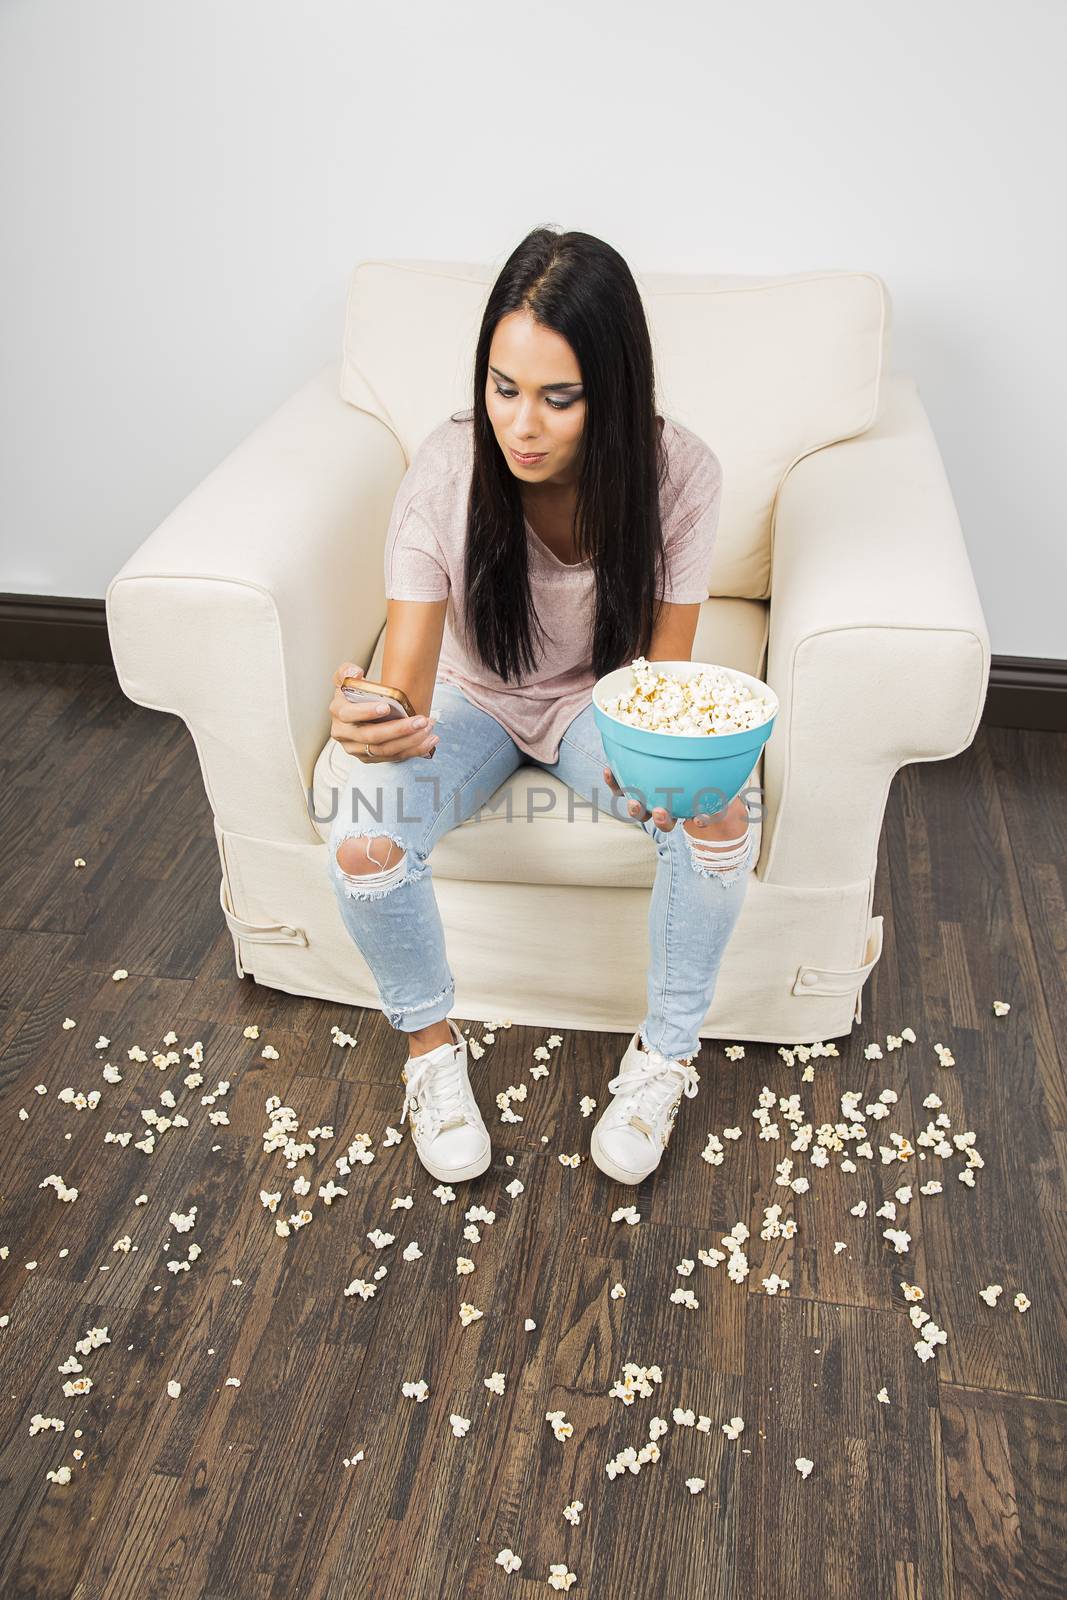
(611, 1168)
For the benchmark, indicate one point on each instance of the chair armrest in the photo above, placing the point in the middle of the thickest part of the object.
(878, 649)
(236, 611)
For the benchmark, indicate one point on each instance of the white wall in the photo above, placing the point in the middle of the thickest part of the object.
(185, 187)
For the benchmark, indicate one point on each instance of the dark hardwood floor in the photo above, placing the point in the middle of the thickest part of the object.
(955, 1488)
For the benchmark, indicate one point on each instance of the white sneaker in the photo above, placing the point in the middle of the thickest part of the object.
(634, 1130)
(449, 1135)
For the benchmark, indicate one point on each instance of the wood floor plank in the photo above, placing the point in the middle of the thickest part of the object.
(1005, 1458)
(872, 1499)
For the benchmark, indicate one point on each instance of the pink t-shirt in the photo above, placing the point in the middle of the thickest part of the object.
(424, 550)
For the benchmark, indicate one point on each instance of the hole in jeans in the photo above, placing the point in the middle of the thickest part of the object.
(370, 868)
(359, 857)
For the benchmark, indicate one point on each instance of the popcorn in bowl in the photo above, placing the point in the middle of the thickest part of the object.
(714, 700)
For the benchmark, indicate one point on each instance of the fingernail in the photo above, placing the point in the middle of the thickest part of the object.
(420, 722)
(381, 709)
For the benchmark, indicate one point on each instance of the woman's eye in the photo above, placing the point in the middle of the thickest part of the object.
(509, 394)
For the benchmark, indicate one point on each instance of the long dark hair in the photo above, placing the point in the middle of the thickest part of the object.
(583, 290)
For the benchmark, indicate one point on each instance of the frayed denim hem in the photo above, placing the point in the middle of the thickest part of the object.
(653, 1050)
(352, 891)
(728, 875)
(445, 998)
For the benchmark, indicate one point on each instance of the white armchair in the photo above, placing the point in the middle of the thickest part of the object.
(840, 575)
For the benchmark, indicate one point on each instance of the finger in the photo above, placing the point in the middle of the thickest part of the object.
(355, 727)
(394, 750)
(347, 669)
(399, 737)
(409, 751)
(613, 785)
(366, 711)
(634, 807)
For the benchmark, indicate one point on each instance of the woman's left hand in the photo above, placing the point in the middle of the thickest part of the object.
(734, 816)
(660, 816)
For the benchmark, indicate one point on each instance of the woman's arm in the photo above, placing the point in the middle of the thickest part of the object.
(414, 630)
(675, 630)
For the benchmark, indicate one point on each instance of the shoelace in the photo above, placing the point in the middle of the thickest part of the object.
(657, 1080)
(438, 1090)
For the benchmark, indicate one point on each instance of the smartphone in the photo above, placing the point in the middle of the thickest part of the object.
(359, 689)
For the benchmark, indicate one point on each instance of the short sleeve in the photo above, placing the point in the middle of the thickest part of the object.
(415, 565)
(690, 539)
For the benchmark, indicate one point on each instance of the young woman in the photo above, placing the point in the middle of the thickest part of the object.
(562, 503)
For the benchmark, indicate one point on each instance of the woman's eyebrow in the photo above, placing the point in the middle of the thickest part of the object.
(499, 374)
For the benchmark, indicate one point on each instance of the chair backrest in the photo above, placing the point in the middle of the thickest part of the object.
(765, 369)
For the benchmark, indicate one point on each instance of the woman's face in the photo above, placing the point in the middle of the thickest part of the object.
(535, 401)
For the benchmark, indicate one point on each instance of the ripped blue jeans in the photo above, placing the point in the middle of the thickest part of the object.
(392, 913)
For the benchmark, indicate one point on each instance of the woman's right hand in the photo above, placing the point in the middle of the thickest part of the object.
(356, 724)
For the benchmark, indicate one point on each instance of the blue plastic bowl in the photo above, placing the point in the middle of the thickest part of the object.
(685, 773)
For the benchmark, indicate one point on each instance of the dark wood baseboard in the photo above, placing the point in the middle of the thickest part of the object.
(1024, 691)
(45, 627)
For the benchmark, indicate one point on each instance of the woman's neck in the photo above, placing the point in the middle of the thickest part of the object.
(552, 519)
(550, 508)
